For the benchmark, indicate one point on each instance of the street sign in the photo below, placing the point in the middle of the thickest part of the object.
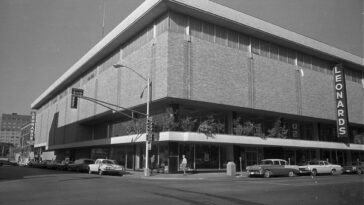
(149, 145)
(74, 97)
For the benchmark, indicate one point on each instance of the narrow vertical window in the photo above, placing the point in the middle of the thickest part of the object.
(196, 27)
(255, 46)
(243, 42)
(233, 39)
(283, 54)
(264, 48)
(208, 32)
(221, 35)
(177, 23)
(273, 52)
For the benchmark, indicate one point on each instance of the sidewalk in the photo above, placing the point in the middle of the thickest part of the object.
(180, 176)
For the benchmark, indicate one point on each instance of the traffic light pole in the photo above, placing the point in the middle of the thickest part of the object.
(147, 133)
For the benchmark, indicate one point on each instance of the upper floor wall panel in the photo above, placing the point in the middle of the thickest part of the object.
(334, 22)
(148, 12)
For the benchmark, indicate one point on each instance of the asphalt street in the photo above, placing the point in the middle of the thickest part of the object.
(22, 185)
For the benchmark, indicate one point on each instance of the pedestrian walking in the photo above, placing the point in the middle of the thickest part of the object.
(183, 164)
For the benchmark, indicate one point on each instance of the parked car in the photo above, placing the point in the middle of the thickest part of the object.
(106, 166)
(33, 163)
(53, 164)
(356, 167)
(80, 165)
(319, 167)
(7, 162)
(43, 164)
(63, 165)
(272, 167)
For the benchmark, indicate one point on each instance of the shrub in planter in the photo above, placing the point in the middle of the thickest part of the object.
(170, 124)
(210, 127)
(279, 130)
(248, 128)
(237, 126)
(188, 124)
(135, 126)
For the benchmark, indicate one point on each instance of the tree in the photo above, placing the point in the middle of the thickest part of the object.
(279, 130)
(210, 127)
(188, 124)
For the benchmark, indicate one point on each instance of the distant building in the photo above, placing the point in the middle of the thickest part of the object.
(11, 125)
(225, 87)
(25, 152)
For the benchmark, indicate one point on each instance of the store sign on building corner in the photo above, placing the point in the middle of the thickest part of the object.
(32, 124)
(295, 133)
(341, 104)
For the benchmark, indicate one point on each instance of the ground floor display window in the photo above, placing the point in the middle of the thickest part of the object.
(123, 155)
(203, 156)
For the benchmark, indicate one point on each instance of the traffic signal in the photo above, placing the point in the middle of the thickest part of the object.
(150, 137)
(152, 127)
(74, 97)
(149, 125)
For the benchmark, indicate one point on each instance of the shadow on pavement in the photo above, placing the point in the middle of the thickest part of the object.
(16, 172)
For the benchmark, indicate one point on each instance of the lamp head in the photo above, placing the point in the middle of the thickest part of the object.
(121, 64)
(118, 65)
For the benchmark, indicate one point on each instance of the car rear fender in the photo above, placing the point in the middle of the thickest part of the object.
(93, 167)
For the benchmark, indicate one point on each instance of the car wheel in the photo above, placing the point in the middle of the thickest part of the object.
(333, 172)
(100, 172)
(291, 174)
(267, 174)
(314, 172)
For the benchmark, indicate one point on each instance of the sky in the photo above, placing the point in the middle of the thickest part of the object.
(41, 39)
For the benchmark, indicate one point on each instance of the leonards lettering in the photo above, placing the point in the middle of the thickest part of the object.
(340, 94)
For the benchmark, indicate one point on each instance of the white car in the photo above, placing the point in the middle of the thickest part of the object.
(106, 166)
(319, 167)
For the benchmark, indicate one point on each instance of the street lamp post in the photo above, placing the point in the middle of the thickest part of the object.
(147, 133)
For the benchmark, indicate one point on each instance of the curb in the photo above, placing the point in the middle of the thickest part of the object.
(199, 176)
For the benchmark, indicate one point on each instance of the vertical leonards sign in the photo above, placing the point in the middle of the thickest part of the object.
(341, 104)
(32, 124)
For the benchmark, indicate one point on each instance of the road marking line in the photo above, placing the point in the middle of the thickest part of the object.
(273, 183)
(168, 178)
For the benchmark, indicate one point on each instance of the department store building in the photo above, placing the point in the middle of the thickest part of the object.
(225, 86)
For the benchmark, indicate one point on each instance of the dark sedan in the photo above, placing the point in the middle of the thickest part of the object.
(80, 165)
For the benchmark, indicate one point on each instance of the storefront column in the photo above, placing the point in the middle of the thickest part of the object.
(230, 152)
(315, 132)
(111, 153)
(137, 157)
(317, 154)
(194, 156)
(229, 123)
(219, 158)
(348, 158)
